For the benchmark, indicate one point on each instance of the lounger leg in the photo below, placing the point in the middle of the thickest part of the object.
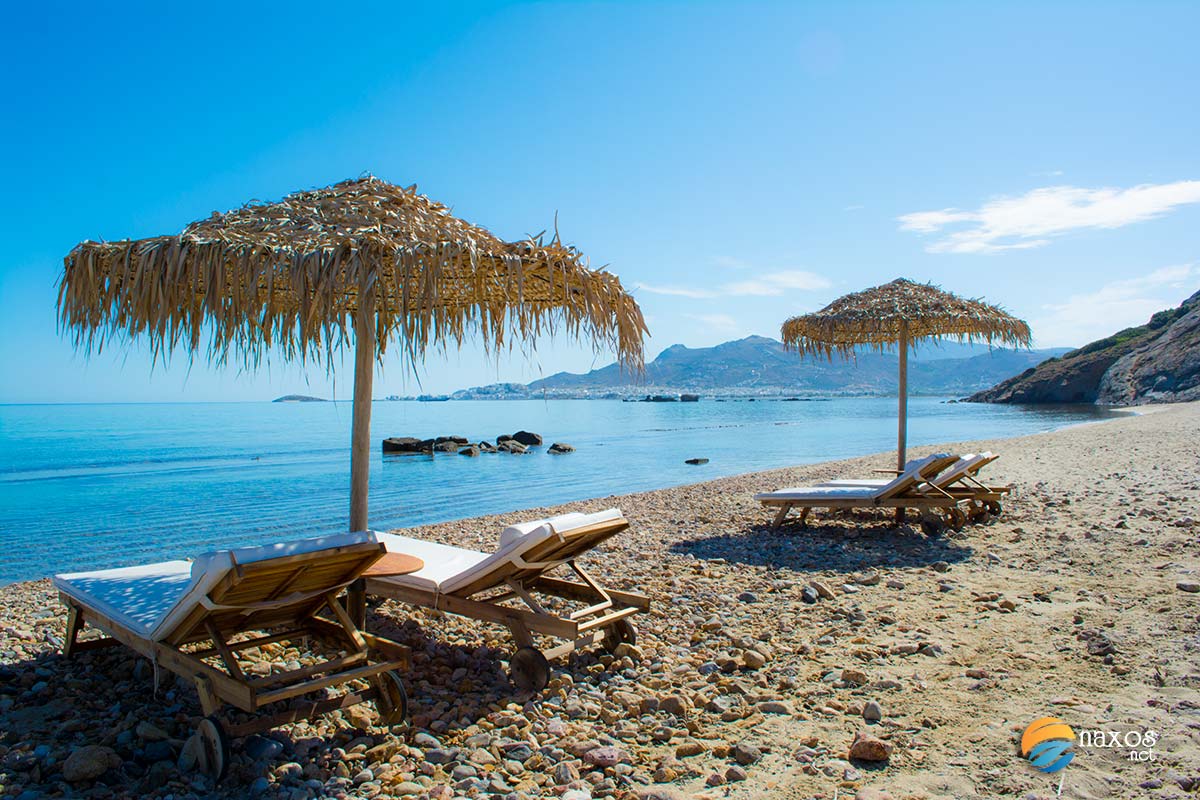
(804, 516)
(74, 626)
(783, 512)
(356, 603)
(209, 703)
(521, 634)
(900, 516)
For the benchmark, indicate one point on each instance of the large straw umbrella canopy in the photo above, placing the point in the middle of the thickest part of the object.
(297, 276)
(899, 314)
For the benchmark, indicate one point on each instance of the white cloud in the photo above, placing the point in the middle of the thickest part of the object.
(767, 285)
(1114, 306)
(722, 322)
(676, 291)
(776, 283)
(1009, 223)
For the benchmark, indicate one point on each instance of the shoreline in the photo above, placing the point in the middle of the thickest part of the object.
(1066, 605)
(398, 510)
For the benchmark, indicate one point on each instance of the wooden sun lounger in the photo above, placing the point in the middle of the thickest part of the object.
(960, 480)
(510, 590)
(279, 599)
(913, 489)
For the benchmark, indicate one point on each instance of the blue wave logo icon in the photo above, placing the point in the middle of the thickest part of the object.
(1047, 744)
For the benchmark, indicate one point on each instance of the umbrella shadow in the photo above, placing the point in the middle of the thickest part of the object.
(827, 545)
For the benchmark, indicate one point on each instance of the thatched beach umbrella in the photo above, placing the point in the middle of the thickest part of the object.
(900, 313)
(298, 275)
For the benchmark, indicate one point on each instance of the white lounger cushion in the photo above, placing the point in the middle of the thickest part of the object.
(856, 492)
(957, 470)
(448, 568)
(152, 599)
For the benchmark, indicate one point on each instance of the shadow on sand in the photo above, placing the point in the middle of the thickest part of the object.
(840, 544)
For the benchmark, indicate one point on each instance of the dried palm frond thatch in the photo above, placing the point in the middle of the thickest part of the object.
(901, 310)
(363, 256)
(292, 276)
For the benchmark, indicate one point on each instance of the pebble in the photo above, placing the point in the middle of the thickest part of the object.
(1188, 586)
(89, 762)
(872, 712)
(866, 747)
(736, 773)
(745, 753)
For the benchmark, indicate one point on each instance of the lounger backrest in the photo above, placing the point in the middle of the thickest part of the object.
(922, 470)
(535, 553)
(265, 587)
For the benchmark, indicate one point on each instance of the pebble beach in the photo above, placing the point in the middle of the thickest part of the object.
(850, 658)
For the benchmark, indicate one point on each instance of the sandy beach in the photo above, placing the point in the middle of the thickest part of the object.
(1079, 602)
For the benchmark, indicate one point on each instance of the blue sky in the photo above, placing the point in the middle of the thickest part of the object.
(737, 163)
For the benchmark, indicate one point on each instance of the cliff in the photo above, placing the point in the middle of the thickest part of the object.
(1158, 362)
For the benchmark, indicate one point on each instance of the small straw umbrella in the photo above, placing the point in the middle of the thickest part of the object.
(900, 313)
(297, 275)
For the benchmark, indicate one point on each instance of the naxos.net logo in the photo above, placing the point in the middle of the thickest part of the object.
(1048, 744)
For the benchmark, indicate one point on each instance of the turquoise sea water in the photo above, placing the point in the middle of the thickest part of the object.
(93, 486)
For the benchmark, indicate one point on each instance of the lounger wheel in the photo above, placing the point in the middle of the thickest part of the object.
(620, 632)
(393, 704)
(213, 758)
(955, 518)
(529, 670)
(994, 508)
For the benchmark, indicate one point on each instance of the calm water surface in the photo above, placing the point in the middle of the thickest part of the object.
(93, 486)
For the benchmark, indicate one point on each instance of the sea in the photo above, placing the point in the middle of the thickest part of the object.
(92, 486)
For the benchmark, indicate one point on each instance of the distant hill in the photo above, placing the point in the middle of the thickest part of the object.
(1158, 362)
(299, 398)
(759, 365)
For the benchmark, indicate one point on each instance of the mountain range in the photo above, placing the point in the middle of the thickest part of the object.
(757, 365)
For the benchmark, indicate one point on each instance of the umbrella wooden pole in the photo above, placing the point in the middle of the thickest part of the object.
(360, 444)
(902, 434)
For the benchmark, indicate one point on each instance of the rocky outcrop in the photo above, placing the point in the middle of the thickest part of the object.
(512, 446)
(1165, 370)
(560, 448)
(528, 438)
(1158, 362)
(407, 444)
